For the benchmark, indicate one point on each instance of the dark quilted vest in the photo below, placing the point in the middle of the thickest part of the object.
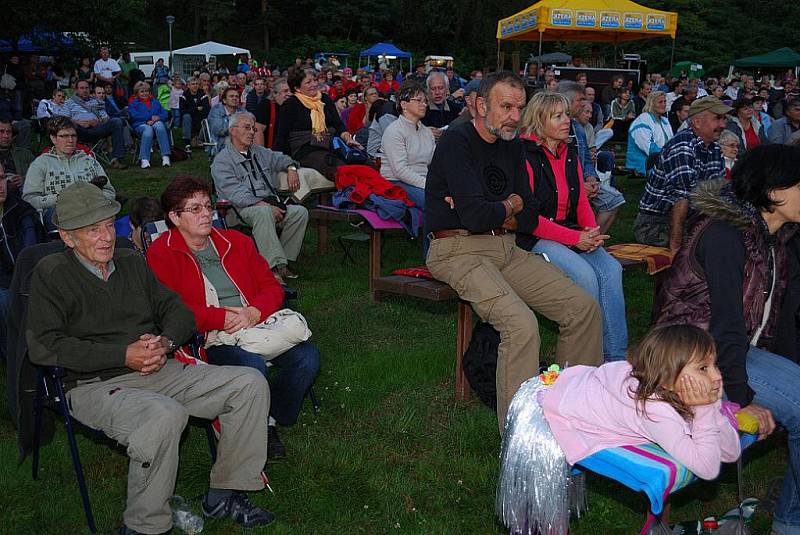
(684, 296)
(544, 184)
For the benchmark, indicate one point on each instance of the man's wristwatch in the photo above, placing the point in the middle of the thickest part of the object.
(292, 167)
(172, 347)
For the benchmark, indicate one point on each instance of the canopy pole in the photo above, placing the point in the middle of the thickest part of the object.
(498, 54)
(672, 57)
(539, 68)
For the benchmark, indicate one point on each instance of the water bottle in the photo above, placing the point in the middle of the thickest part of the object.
(183, 517)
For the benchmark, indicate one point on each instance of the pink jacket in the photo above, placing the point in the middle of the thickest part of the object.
(590, 409)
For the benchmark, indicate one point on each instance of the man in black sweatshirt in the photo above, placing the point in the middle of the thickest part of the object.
(478, 207)
(102, 315)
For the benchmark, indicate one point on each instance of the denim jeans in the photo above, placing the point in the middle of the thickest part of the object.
(297, 369)
(774, 380)
(186, 124)
(175, 113)
(146, 133)
(599, 275)
(417, 195)
(114, 127)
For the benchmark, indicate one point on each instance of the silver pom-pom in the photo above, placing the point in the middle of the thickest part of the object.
(533, 489)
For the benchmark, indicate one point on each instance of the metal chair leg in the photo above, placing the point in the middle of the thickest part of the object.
(314, 401)
(212, 441)
(76, 460)
(38, 406)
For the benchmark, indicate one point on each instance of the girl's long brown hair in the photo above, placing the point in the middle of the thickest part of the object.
(658, 360)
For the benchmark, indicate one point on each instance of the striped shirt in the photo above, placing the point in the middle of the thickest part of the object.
(685, 161)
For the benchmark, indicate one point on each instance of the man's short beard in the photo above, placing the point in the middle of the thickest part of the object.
(498, 132)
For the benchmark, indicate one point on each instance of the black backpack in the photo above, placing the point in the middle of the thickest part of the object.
(480, 363)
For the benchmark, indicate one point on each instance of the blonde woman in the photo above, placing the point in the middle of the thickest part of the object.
(148, 118)
(567, 232)
(648, 133)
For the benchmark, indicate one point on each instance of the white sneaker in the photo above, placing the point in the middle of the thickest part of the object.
(145, 164)
(165, 161)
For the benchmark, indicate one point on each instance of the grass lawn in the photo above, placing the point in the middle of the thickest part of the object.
(390, 451)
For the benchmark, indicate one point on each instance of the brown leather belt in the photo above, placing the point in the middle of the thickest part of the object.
(436, 234)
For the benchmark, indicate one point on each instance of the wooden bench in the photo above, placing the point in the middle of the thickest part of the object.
(438, 292)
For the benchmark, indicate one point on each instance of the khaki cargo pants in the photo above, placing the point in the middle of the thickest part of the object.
(147, 414)
(503, 283)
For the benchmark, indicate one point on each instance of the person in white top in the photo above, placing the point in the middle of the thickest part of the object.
(50, 108)
(106, 69)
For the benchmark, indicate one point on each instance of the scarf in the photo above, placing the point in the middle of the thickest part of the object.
(317, 108)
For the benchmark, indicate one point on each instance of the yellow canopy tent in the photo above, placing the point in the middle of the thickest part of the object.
(605, 21)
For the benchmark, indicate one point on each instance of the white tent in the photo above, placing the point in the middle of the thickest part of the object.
(192, 57)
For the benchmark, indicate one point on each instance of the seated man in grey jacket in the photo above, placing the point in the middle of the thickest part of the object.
(786, 130)
(246, 174)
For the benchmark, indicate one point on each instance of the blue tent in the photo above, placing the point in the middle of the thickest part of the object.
(39, 42)
(386, 49)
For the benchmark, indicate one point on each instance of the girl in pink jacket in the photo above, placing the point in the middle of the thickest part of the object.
(668, 392)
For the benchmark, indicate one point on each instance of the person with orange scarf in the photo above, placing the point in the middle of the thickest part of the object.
(307, 122)
(148, 118)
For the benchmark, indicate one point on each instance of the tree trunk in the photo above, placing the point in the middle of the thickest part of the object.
(264, 24)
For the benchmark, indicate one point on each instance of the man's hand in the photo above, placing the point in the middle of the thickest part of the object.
(449, 200)
(278, 213)
(293, 179)
(437, 132)
(147, 355)
(514, 203)
(510, 224)
(458, 93)
(592, 186)
(15, 180)
(237, 318)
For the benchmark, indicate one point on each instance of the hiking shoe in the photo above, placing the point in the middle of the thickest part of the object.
(275, 447)
(284, 272)
(239, 509)
(145, 164)
(165, 161)
(117, 164)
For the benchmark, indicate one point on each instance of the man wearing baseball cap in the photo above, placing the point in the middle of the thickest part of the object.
(690, 157)
(470, 92)
(101, 314)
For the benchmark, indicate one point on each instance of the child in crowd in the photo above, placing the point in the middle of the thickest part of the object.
(668, 392)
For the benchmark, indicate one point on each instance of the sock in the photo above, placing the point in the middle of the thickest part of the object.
(214, 496)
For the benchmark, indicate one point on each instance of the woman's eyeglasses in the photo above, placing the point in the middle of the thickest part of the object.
(196, 209)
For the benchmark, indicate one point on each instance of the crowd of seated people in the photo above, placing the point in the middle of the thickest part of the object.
(273, 132)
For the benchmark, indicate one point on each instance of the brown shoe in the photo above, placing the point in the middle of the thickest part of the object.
(117, 164)
(285, 273)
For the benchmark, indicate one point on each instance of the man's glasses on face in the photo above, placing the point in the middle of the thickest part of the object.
(250, 127)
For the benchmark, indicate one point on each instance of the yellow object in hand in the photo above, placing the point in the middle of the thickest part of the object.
(747, 422)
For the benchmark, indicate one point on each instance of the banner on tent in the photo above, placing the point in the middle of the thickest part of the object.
(561, 17)
(656, 22)
(633, 21)
(610, 20)
(586, 19)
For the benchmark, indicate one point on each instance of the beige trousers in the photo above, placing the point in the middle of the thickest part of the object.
(503, 283)
(277, 250)
(147, 414)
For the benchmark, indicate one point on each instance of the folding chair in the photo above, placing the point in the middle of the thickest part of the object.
(207, 141)
(151, 231)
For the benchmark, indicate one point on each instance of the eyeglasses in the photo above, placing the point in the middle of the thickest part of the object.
(421, 100)
(67, 136)
(252, 127)
(731, 145)
(195, 209)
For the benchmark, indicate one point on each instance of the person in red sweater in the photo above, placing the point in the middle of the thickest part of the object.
(228, 285)
(359, 113)
(567, 233)
(388, 86)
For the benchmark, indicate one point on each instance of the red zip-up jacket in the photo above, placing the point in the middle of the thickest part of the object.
(176, 268)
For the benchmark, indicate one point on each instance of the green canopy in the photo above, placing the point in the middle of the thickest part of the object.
(692, 69)
(783, 57)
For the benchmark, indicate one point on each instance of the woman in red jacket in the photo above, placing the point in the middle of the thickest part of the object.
(203, 264)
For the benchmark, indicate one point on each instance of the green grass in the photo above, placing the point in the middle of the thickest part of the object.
(390, 452)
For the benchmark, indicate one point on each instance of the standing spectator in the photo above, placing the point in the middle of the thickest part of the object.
(161, 74)
(610, 93)
(220, 114)
(106, 69)
(648, 134)
(786, 130)
(148, 119)
(645, 87)
(173, 104)
(256, 96)
(127, 65)
(194, 107)
(93, 124)
(692, 156)
(747, 129)
(267, 113)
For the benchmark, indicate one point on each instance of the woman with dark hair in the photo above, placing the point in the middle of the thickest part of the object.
(730, 277)
(742, 123)
(85, 71)
(222, 279)
(307, 123)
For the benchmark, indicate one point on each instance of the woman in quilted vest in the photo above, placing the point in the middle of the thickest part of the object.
(730, 277)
